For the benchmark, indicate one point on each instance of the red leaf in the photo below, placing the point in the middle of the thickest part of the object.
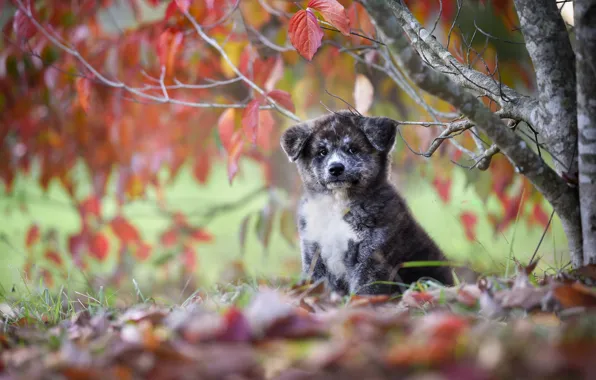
(90, 206)
(143, 251)
(33, 236)
(469, 221)
(305, 33)
(169, 238)
(512, 207)
(99, 247)
(539, 215)
(334, 13)
(443, 187)
(283, 98)
(225, 127)
(189, 259)
(250, 120)
(171, 10)
(76, 244)
(183, 5)
(83, 86)
(22, 25)
(202, 167)
(236, 328)
(125, 231)
(200, 234)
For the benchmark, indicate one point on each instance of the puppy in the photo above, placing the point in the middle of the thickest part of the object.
(355, 229)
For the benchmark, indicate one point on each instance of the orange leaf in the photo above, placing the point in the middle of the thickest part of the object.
(83, 86)
(33, 235)
(237, 144)
(283, 98)
(305, 33)
(250, 120)
(358, 16)
(334, 13)
(265, 134)
(575, 295)
(53, 256)
(168, 46)
(225, 127)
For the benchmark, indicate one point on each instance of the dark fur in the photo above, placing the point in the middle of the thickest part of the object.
(380, 233)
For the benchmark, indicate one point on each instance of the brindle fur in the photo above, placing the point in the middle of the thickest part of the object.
(355, 228)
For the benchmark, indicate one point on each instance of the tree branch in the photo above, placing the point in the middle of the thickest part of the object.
(213, 43)
(516, 105)
(554, 188)
(63, 45)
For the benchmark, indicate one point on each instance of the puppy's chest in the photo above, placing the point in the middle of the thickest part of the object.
(325, 225)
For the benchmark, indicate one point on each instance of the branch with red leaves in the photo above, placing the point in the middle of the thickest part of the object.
(171, 41)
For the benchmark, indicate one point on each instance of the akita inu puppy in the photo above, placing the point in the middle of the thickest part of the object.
(355, 229)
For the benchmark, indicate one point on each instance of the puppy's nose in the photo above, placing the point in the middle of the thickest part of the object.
(336, 168)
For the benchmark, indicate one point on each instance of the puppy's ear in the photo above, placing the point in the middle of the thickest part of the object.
(293, 140)
(380, 131)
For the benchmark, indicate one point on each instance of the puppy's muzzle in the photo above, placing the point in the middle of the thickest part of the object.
(336, 169)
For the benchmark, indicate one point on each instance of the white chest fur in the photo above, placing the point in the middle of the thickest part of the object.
(326, 227)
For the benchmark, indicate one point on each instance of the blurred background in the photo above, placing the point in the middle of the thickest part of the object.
(102, 184)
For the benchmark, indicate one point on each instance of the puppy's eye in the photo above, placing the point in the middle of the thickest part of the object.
(322, 152)
(352, 150)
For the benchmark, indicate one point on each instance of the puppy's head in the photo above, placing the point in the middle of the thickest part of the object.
(341, 150)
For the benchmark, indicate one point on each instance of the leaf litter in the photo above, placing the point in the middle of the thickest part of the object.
(494, 329)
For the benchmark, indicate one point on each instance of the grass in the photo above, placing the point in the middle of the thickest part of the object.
(54, 211)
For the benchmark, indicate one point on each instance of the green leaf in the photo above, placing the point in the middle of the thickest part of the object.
(242, 233)
(287, 226)
(265, 225)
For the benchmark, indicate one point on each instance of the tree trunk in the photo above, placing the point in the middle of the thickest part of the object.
(585, 33)
(548, 44)
(564, 199)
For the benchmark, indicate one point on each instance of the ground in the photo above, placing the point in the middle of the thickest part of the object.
(528, 326)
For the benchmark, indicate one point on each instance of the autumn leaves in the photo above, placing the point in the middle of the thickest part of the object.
(304, 30)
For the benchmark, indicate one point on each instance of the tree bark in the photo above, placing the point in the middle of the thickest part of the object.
(585, 34)
(563, 198)
(548, 44)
